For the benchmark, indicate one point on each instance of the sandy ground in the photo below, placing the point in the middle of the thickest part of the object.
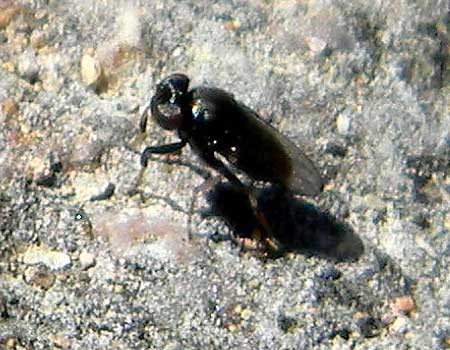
(89, 259)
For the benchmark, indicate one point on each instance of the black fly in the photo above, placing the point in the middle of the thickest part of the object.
(213, 123)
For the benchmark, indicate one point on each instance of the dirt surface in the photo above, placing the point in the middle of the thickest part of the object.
(90, 259)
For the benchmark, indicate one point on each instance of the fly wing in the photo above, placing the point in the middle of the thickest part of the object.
(305, 177)
(302, 177)
(251, 144)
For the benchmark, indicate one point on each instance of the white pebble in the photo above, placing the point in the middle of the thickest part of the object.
(343, 124)
(91, 70)
(52, 259)
(87, 259)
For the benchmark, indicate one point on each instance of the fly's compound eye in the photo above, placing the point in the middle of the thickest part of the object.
(166, 104)
(168, 115)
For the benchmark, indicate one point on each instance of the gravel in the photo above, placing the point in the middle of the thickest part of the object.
(91, 259)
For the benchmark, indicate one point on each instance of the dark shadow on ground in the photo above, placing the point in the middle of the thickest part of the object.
(296, 225)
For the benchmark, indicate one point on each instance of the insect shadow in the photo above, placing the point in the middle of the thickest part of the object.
(296, 226)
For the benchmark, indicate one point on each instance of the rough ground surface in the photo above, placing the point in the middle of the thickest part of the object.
(362, 86)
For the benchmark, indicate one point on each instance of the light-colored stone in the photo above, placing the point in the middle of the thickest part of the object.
(87, 259)
(52, 259)
(91, 70)
(343, 124)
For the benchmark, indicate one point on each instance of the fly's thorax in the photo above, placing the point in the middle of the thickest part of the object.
(199, 112)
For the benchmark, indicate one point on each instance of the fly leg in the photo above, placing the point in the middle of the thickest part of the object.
(144, 118)
(208, 183)
(263, 234)
(147, 153)
(162, 149)
(167, 149)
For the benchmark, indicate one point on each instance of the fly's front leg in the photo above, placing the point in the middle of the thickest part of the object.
(144, 118)
(146, 154)
(162, 149)
(209, 183)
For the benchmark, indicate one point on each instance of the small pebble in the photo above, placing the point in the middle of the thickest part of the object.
(10, 108)
(403, 305)
(91, 70)
(40, 278)
(87, 259)
(11, 343)
(343, 124)
(52, 259)
(37, 39)
(400, 325)
(28, 66)
(316, 45)
(9, 67)
(8, 13)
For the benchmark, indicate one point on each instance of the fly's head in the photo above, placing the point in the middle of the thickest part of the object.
(168, 103)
